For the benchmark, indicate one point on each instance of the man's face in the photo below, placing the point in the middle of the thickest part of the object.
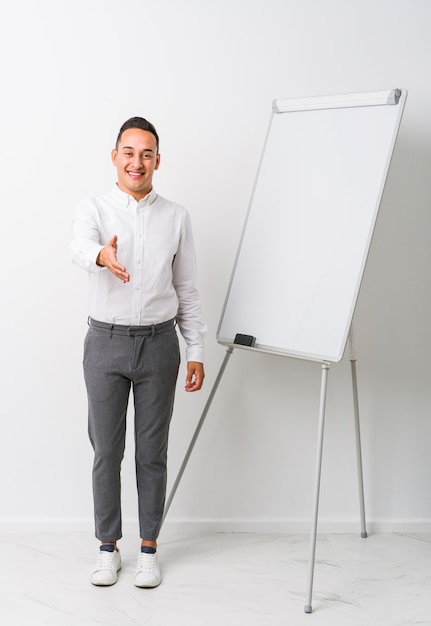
(136, 159)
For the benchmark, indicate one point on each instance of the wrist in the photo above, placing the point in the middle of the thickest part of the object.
(99, 258)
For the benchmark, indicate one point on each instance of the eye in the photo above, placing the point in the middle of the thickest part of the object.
(128, 154)
(147, 155)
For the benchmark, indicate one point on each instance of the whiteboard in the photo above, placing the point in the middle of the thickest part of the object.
(309, 226)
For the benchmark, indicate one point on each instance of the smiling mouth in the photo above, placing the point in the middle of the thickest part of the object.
(135, 174)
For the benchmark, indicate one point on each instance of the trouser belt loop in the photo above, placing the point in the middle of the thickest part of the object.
(153, 331)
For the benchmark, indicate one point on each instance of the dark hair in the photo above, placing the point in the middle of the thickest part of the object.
(142, 124)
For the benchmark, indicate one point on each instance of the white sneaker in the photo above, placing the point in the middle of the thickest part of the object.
(106, 568)
(147, 570)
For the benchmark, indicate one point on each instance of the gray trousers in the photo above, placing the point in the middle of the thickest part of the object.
(117, 358)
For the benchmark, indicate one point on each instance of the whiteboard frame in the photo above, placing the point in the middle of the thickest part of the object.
(394, 97)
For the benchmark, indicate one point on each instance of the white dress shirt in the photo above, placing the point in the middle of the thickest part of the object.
(155, 245)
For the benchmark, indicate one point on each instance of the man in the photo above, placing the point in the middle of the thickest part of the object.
(138, 250)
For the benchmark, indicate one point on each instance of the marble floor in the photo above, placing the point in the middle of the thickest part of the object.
(220, 579)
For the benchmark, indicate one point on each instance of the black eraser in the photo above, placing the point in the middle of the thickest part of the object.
(245, 340)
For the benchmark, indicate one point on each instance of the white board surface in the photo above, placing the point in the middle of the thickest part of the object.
(310, 222)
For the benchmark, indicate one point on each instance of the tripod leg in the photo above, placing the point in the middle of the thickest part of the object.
(325, 370)
(357, 433)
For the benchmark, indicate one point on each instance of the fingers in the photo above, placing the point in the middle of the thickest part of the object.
(108, 258)
(120, 272)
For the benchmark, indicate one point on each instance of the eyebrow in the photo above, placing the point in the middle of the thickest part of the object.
(132, 148)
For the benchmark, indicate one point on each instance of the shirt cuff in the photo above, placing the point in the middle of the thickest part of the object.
(195, 353)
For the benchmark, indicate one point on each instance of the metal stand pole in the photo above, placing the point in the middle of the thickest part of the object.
(197, 431)
(325, 370)
(357, 432)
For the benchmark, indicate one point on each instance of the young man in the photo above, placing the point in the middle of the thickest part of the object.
(138, 250)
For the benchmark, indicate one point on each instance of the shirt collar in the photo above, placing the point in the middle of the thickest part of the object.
(126, 198)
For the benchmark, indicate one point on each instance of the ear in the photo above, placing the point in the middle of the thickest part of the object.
(114, 153)
(156, 167)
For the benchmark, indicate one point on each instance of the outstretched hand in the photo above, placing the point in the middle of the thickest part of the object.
(195, 376)
(108, 258)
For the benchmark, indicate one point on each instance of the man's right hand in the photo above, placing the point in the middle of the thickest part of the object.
(107, 257)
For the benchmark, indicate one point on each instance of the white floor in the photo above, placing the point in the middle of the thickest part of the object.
(223, 579)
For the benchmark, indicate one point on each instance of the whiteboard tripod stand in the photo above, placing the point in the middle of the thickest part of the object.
(321, 422)
(309, 228)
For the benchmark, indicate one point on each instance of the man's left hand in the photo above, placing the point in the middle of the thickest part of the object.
(195, 376)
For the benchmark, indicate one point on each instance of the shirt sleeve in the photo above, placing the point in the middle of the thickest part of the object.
(189, 315)
(85, 245)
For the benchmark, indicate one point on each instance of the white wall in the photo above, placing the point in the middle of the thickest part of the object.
(206, 73)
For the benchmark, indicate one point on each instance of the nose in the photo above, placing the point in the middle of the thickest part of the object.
(137, 162)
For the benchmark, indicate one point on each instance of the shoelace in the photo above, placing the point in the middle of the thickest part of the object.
(106, 560)
(147, 562)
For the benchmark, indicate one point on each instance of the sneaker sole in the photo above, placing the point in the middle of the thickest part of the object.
(147, 585)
